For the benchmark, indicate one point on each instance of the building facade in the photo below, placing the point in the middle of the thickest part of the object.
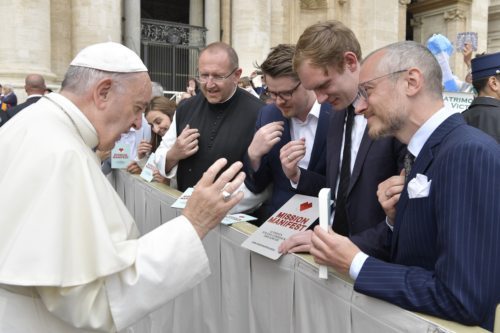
(42, 36)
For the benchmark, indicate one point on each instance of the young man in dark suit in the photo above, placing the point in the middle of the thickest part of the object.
(442, 235)
(288, 149)
(327, 61)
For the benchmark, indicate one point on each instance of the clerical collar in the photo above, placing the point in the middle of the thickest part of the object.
(223, 106)
(234, 91)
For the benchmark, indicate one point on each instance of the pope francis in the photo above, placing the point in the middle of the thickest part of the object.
(70, 256)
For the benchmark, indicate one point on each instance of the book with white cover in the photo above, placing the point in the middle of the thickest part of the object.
(296, 215)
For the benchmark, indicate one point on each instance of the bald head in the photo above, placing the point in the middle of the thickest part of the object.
(34, 84)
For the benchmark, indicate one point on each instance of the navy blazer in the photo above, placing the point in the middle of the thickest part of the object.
(445, 247)
(3, 117)
(270, 170)
(376, 161)
(10, 99)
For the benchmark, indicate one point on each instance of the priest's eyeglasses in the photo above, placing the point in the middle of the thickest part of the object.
(362, 87)
(284, 95)
(204, 78)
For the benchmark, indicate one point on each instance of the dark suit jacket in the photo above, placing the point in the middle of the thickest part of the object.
(270, 170)
(3, 117)
(376, 161)
(484, 113)
(10, 100)
(445, 250)
(15, 109)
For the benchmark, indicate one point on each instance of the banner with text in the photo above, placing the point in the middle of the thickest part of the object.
(457, 101)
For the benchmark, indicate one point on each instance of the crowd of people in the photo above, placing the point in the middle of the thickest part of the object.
(414, 187)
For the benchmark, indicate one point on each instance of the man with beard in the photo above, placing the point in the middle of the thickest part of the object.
(289, 145)
(442, 235)
(217, 123)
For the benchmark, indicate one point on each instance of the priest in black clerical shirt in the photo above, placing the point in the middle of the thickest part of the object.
(217, 123)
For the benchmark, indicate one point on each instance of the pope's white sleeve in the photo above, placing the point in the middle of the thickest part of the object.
(166, 144)
(85, 307)
(170, 260)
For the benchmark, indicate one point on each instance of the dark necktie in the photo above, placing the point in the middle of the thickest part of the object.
(408, 163)
(340, 223)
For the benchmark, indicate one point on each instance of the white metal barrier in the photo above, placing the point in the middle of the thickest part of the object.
(249, 293)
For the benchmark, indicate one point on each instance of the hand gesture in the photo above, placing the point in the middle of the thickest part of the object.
(388, 193)
(103, 154)
(157, 177)
(299, 242)
(263, 140)
(207, 206)
(332, 249)
(467, 52)
(290, 155)
(185, 145)
(143, 149)
(134, 168)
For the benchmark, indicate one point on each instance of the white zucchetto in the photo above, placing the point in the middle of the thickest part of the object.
(109, 57)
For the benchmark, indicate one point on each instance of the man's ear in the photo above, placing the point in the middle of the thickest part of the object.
(414, 80)
(237, 74)
(493, 84)
(101, 92)
(351, 61)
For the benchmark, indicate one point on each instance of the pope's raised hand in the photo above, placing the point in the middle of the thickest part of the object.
(213, 198)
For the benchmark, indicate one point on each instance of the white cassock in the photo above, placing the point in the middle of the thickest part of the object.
(70, 259)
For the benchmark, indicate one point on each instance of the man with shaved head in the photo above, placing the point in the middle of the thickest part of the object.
(34, 85)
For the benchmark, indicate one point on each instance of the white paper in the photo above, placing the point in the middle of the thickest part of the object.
(234, 218)
(181, 202)
(228, 220)
(324, 200)
(149, 168)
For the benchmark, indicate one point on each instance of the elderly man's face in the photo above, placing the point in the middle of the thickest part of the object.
(330, 86)
(220, 76)
(127, 103)
(383, 103)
